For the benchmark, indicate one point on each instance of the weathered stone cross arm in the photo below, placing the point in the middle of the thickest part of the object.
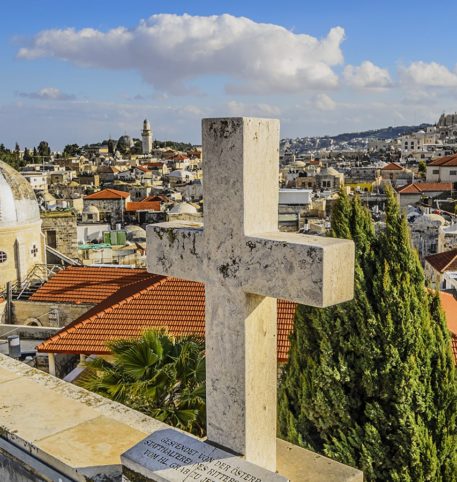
(301, 268)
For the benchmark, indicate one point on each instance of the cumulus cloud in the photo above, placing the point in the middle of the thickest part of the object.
(237, 108)
(47, 93)
(367, 76)
(171, 50)
(423, 74)
(324, 102)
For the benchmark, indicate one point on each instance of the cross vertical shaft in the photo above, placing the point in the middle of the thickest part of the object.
(241, 197)
(246, 264)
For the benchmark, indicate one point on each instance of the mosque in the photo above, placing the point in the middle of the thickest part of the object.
(22, 245)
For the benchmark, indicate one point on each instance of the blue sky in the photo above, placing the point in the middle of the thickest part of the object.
(321, 67)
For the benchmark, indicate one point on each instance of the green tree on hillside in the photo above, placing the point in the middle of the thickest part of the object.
(372, 382)
(161, 376)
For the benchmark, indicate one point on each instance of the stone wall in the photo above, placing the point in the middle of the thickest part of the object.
(52, 430)
(46, 313)
(64, 225)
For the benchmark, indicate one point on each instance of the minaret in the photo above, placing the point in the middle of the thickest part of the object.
(147, 137)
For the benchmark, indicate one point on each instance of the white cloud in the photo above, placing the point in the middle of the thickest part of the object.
(367, 76)
(431, 74)
(171, 50)
(47, 93)
(324, 102)
(236, 108)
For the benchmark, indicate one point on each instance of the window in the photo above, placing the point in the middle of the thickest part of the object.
(51, 238)
(3, 257)
(435, 171)
(453, 173)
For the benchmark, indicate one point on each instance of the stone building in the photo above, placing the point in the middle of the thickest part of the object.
(59, 228)
(425, 232)
(21, 240)
(329, 178)
(110, 203)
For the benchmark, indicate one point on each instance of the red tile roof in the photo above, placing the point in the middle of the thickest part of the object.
(143, 206)
(173, 304)
(159, 197)
(393, 166)
(449, 305)
(108, 194)
(88, 284)
(446, 261)
(448, 161)
(155, 164)
(420, 187)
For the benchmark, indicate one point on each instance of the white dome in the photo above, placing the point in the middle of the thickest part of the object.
(91, 210)
(183, 208)
(298, 164)
(181, 174)
(18, 204)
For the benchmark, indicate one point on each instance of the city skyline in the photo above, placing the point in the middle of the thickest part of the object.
(81, 73)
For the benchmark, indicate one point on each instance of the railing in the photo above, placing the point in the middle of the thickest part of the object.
(35, 278)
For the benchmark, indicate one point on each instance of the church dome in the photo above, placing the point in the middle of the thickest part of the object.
(125, 142)
(90, 209)
(18, 203)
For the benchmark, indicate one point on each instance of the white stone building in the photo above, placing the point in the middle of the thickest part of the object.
(443, 169)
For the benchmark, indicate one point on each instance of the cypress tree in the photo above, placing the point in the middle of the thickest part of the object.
(371, 382)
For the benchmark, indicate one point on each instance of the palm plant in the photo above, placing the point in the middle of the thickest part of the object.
(159, 375)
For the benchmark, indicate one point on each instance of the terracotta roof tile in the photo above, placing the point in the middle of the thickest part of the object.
(143, 206)
(173, 304)
(88, 284)
(393, 166)
(449, 305)
(420, 187)
(446, 261)
(108, 194)
(449, 161)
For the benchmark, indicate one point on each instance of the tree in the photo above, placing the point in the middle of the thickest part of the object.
(161, 376)
(422, 168)
(27, 156)
(71, 150)
(43, 149)
(372, 382)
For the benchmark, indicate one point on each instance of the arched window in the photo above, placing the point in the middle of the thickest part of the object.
(3, 257)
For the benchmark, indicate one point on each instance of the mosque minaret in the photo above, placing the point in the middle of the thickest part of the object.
(146, 136)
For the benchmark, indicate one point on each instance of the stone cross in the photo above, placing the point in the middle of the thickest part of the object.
(246, 264)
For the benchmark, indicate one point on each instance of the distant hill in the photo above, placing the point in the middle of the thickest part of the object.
(385, 133)
(348, 141)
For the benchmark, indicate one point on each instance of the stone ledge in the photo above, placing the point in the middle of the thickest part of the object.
(82, 435)
(301, 465)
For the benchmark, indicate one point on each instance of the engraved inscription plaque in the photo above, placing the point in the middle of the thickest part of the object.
(172, 456)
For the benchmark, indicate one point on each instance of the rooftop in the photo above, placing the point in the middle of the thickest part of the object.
(421, 187)
(108, 194)
(448, 161)
(173, 304)
(446, 261)
(91, 285)
(143, 206)
(393, 166)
